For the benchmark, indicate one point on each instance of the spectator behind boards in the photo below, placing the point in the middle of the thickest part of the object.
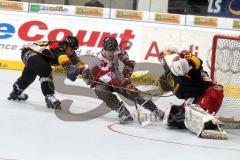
(94, 3)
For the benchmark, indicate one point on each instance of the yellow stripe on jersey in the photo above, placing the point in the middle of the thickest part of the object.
(63, 59)
(42, 43)
(196, 61)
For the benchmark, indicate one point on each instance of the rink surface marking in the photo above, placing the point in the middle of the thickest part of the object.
(7, 159)
(111, 128)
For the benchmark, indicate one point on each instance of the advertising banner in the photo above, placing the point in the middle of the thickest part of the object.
(11, 5)
(167, 18)
(236, 24)
(51, 9)
(41, 27)
(224, 8)
(205, 21)
(92, 11)
(148, 39)
(212, 22)
(130, 14)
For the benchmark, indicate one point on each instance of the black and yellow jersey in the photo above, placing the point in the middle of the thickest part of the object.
(192, 84)
(54, 52)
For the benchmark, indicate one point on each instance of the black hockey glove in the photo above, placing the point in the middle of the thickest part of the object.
(87, 76)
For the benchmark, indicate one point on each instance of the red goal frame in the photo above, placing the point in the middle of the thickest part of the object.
(214, 48)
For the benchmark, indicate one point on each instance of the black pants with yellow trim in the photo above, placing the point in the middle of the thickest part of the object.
(35, 65)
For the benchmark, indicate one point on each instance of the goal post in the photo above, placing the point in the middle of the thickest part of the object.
(225, 70)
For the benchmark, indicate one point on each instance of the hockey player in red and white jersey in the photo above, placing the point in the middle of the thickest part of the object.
(106, 78)
(203, 96)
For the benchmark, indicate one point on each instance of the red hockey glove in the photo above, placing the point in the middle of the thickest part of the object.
(128, 68)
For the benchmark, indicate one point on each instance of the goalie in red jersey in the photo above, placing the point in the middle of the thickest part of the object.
(185, 77)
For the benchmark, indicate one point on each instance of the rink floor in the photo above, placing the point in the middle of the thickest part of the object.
(30, 131)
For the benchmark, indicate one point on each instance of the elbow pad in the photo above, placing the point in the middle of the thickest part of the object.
(63, 60)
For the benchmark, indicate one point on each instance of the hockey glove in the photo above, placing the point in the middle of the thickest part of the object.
(127, 72)
(73, 72)
(87, 76)
(128, 68)
(166, 82)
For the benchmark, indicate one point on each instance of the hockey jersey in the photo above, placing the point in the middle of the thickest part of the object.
(105, 70)
(52, 51)
(194, 83)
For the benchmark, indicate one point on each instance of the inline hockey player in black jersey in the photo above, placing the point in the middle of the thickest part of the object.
(38, 58)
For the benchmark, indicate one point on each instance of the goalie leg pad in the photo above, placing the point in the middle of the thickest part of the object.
(174, 117)
(200, 122)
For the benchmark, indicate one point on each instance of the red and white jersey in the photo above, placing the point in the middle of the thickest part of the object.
(106, 70)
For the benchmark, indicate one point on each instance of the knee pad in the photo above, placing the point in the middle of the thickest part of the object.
(108, 97)
(47, 85)
(174, 117)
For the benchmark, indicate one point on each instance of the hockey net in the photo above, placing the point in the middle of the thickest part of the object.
(225, 69)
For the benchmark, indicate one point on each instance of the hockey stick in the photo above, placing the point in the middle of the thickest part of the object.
(137, 107)
(131, 90)
(138, 113)
(229, 123)
(140, 120)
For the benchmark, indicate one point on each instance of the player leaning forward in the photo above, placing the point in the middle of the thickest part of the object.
(204, 96)
(38, 58)
(107, 78)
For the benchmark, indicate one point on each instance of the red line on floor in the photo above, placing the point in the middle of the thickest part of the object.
(110, 127)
